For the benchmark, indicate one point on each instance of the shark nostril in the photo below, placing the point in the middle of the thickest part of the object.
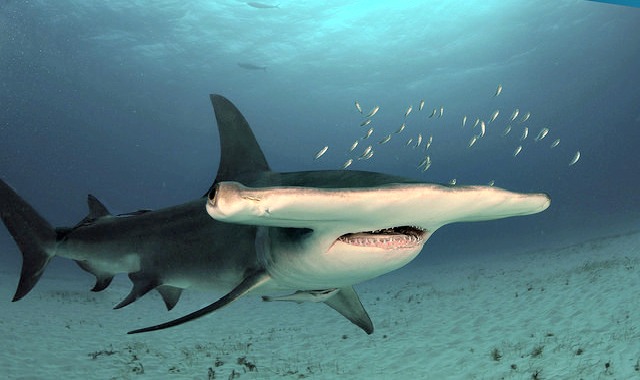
(212, 193)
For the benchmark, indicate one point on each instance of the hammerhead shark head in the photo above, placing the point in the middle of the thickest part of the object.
(313, 233)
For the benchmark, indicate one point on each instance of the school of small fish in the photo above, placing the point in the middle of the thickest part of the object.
(412, 121)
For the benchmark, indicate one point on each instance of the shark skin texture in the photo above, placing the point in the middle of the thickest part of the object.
(299, 236)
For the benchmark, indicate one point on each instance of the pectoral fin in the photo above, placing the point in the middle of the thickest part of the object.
(347, 303)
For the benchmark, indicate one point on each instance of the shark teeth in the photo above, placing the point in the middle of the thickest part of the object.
(387, 238)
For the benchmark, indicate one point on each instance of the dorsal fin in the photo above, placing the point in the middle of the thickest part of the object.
(96, 208)
(240, 152)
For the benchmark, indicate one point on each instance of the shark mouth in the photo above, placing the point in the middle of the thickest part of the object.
(387, 238)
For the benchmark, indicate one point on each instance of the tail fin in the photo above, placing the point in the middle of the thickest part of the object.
(33, 235)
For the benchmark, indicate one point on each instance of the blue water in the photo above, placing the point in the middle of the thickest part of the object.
(111, 98)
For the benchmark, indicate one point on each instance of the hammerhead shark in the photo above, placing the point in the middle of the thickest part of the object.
(255, 231)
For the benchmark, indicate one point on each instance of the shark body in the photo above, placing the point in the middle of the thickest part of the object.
(313, 233)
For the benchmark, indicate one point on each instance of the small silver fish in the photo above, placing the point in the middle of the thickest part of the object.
(321, 152)
(498, 90)
(464, 120)
(373, 111)
(385, 140)
(526, 117)
(575, 158)
(421, 105)
(433, 113)
(408, 111)
(506, 130)
(542, 134)
(353, 146)
(525, 133)
(366, 151)
(419, 140)
(428, 144)
(517, 151)
(491, 183)
(401, 128)
(441, 111)
(427, 160)
(494, 115)
(515, 114)
(369, 132)
(347, 163)
(409, 142)
(473, 140)
(483, 128)
(358, 107)
(365, 123)
(476, 123)
(368, 156)
(555, 143)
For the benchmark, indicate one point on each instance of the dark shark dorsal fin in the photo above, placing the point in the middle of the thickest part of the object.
(96, 208)
(347, 303)
(240, 152)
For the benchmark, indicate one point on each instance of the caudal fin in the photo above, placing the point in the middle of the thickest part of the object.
(33, 235)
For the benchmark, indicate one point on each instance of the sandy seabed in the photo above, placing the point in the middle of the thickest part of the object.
(567, 313)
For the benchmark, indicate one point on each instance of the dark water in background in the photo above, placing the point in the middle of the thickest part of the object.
(112, 99)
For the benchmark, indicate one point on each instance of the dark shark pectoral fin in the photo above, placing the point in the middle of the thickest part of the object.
(347, 303)
(249, 283)
(170, 295)
(32, 234)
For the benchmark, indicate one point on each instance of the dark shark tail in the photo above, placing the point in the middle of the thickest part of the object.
(33, 235)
